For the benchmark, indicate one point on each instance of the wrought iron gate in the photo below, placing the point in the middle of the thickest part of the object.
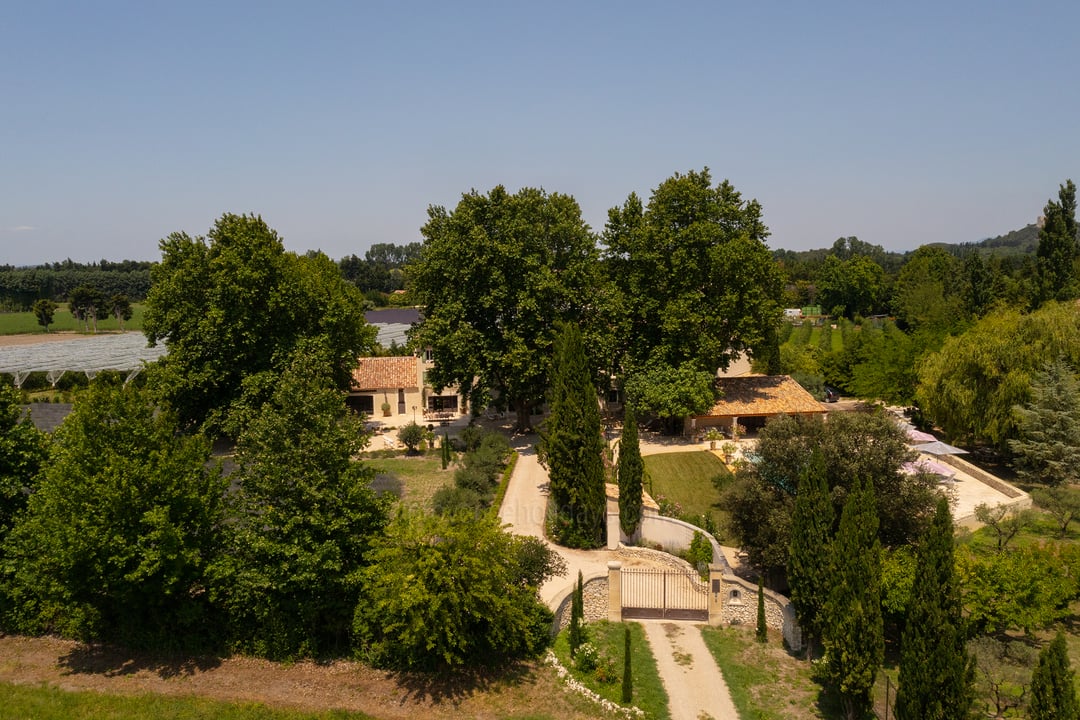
(663, 594)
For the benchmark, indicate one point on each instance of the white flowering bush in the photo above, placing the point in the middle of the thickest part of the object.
(587, 657)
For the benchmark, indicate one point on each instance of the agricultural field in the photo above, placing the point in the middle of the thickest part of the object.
(19, 323)
(693, 481)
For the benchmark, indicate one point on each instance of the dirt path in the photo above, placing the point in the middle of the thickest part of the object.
(37, 338)
(695, 686)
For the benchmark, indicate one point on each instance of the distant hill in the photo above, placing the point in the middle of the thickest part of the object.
(1012, 244)
(1018, 242)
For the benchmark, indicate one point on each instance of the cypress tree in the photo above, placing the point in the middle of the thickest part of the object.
(854, 633)
(808, 559)
(937, 674)
(627, 670)
(445, 451)
(1057, 246)
(573, 446)
(577, 614)
(631, 470)
(762, 628)
(1053, 695)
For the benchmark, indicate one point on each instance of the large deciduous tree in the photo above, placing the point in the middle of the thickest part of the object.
(445, 591)
(851, 287)
(692, 274)
(572, 446)
(494, 277)
(305, 513)
(970, 387)
(1057, 247)
(232, 307)
(631, 470)
(116, 538)
(936, 672)
(854, 633)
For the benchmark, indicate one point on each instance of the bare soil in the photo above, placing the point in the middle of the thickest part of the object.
(35, 338)
(526, 689)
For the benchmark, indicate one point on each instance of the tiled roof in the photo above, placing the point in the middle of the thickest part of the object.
(763, 395)
(378, 373)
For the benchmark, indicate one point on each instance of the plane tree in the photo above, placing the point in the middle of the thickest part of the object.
(495, 276)
(693, 280)
(231, 307)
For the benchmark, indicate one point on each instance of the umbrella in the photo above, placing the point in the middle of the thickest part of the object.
(939, 448)
(918, 435)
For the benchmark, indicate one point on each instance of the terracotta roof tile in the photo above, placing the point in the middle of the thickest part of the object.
(377, 373)
(762, 395)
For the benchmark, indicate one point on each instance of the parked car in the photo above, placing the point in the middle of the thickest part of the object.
(831, 394)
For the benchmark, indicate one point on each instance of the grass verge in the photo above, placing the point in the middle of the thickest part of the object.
(764, 680)
(687, 478)
(649, 693)
(48, 703)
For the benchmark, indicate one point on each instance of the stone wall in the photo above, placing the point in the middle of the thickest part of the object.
(594, 593)
(740, 603)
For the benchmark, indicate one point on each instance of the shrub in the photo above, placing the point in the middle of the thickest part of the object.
(700, 554)
(587, 658)
(449, 500)
(412, 436)
(471, 437)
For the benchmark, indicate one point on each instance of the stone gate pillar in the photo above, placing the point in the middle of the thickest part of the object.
(614, 591)
(716, 595)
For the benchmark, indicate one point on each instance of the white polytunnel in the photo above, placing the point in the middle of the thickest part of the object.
(127, 353)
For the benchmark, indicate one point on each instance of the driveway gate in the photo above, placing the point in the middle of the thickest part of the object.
(663, 594)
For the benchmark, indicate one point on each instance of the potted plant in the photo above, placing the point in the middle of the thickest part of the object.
(385, 408)
(728, 449)
(712, 436)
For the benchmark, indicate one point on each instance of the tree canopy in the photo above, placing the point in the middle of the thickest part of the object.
(693, 277)
(117, 535)
(572, 446)
(936, 672)
(23, 451)
(443, 591)
(1057, 248)
(970, 387)
(853, 627)
(232, 307)
(1048, 447)
(304, 515)
(495, 276)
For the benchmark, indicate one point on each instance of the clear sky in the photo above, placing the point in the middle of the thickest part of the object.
(341, 122)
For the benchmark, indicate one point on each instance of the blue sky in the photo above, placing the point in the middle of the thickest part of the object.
(340, 123)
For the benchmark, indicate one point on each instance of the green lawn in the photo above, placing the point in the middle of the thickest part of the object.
(648, 693)
(46, 703)
(17, 323)
(413, 479)
(687, 478)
